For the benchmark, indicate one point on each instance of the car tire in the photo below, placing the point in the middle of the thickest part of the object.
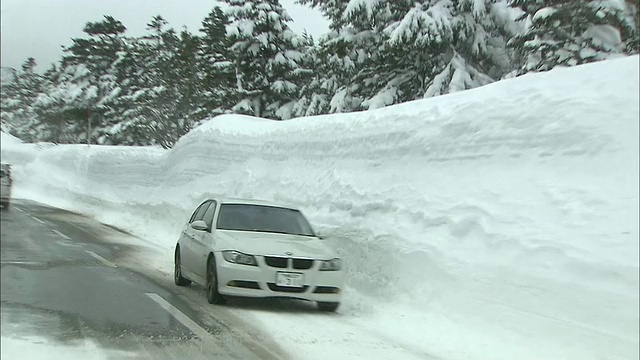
(328, 306)
(177, 272)
(213, 296)
(6, 205)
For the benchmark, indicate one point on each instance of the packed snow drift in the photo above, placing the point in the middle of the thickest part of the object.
(495, 223)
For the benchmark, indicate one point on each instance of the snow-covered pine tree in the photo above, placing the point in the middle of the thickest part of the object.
(353, 54)
(186, 89)
(7, 94)
(267, 56)
(403, 50)
(161, 100)
(89, 66)
(573, 32)
(18, 95)
(632, 11)
(455, 45)
(62, 106)
(134, 70)
(156, 98)
(321, 83)
(215, 64)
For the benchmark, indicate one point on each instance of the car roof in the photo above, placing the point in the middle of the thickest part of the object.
(253, 202)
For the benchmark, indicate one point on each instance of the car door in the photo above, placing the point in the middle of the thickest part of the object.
(203, 241)
(188, 255)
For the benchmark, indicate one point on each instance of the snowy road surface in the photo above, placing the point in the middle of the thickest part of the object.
(74, 287)
(69, 291)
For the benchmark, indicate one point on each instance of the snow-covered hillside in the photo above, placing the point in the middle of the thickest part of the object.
(496, 223)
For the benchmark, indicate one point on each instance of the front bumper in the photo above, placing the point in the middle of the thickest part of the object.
(260, 281)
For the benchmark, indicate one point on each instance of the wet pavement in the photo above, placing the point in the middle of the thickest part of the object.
(63, 278)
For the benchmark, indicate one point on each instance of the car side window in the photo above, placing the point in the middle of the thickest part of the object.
(209, 215)
(202, 211)
(200, 208)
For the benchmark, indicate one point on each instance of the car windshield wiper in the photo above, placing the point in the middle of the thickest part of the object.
(268, 231)
(279, 232)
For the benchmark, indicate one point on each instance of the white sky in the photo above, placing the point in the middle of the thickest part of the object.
(38, 28)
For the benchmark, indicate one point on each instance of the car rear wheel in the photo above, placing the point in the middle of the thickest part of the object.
(177, 272)
(6, 205)
(328, 306)
(213, 296)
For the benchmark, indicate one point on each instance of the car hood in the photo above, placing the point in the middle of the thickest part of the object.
(272, 244)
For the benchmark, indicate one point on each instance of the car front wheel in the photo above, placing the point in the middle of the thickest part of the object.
(328, 306)
(213, 296)
(177, 272)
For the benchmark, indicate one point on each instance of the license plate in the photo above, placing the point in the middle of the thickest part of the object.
(289, 279)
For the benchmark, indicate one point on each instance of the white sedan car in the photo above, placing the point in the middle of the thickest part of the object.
(5, 185)
(257, 249)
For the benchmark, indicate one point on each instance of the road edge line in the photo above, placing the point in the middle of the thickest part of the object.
(198, 330)
(38, 220)
(101, 259)
(61, 235)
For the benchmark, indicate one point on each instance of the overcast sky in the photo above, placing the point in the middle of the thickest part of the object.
(38, 28)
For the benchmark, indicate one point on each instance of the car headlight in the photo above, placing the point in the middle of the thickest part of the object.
(331, 265)
(237, 257)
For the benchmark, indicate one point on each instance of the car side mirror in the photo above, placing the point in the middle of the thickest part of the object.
(199, 225)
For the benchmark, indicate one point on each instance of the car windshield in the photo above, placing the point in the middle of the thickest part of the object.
(260, 218)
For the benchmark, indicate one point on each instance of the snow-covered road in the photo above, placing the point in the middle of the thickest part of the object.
(496, 223)
(73, 288)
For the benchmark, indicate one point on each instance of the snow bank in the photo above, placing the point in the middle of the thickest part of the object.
(8, 139)
(496, 223)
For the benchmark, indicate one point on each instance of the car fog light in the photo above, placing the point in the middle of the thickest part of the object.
(331, 265)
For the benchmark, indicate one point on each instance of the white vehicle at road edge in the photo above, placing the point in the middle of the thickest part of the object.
(253, 248)
(5, 185)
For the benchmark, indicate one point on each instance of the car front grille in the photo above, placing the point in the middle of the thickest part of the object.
(287, 289)
(302, 264)
(283, 263)
(277, 262)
